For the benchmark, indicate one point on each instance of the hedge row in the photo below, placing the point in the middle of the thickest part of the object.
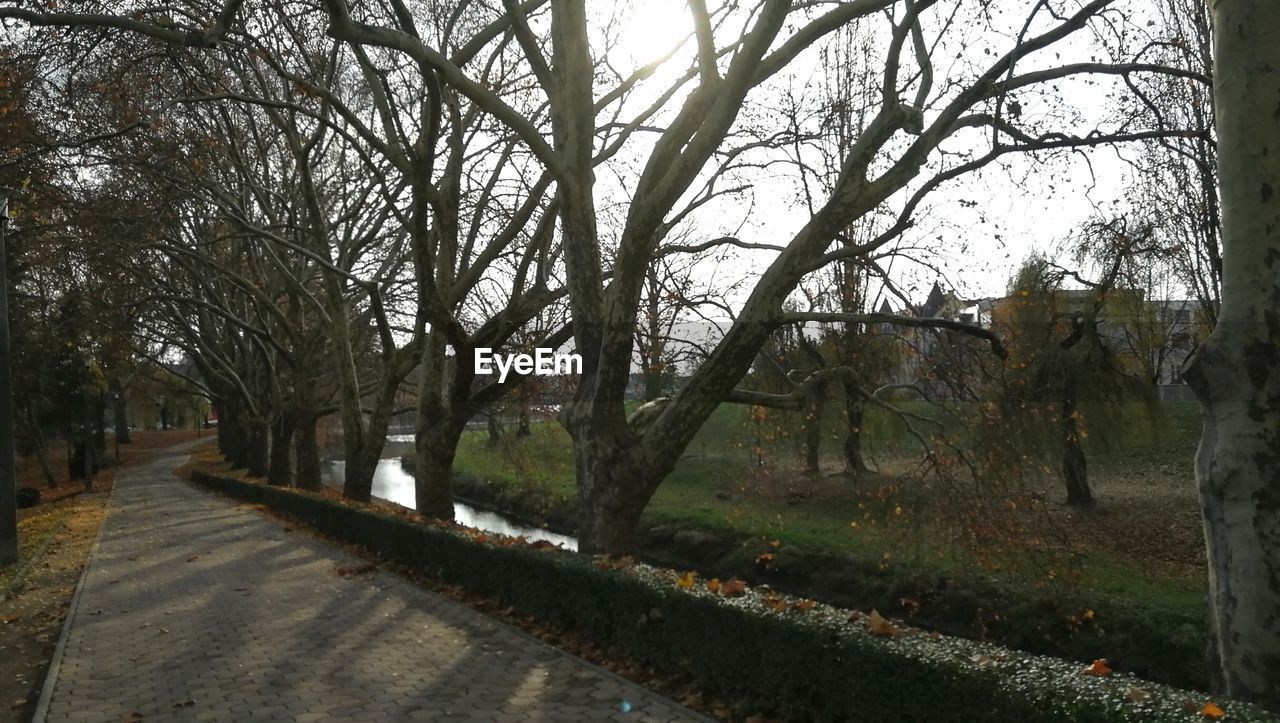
(813, 665)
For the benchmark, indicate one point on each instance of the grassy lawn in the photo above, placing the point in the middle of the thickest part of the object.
(719, 485)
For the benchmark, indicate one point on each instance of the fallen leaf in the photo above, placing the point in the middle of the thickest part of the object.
(18, 703)
(1212, 710)
(880, 625)
(8, 619)
(685, 581)
(356, 570)
(733, 588)
(803, 605)
(1098, 667)
(714, 585)
(983, 661)
(1137, 695)
(133, 717)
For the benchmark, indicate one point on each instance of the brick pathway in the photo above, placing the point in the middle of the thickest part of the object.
(195, 608)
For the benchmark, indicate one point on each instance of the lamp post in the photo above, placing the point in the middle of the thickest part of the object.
(8, 476)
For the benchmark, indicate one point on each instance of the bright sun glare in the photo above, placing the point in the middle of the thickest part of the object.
(651, 28)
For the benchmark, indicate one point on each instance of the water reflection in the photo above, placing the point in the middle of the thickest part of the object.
(393, 484)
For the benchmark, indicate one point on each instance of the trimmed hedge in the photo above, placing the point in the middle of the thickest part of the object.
(814, 665)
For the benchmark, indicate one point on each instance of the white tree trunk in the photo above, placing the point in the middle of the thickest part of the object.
(1236, 373)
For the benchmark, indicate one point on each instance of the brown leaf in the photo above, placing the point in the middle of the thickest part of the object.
(1137, 695)
(1099, 668)
(1212, 710)
(880, 625)
(733, 588)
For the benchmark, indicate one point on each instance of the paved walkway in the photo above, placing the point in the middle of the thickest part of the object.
(196, 608)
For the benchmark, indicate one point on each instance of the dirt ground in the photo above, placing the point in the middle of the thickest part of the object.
(34, 602)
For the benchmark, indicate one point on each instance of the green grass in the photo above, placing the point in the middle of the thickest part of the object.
(722, 459)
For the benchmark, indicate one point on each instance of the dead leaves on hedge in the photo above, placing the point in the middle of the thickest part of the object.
(609, 562)
(878, 624)
(733, 588)
(1212, 710)
(1099, 668)
(1137, 695)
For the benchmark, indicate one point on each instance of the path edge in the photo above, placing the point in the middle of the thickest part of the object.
(41, 713)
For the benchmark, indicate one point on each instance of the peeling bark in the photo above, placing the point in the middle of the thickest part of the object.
(1236, 372)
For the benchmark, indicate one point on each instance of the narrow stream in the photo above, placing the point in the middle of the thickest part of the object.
(393, 484)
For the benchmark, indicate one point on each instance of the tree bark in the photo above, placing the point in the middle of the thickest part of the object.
(121, 417)
(854, 414)
(1236, 371)
(257, 453)
(1075, 468)
(279, 473)
(236, 423)
(306, 450)
(611, 495)
(814, 407)
(434, 451)
(522, 429)
(100, 419)
(37, 436)
(495, 433)
(363, 452)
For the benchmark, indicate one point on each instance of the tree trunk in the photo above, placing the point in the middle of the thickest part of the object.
(433, 468)
(279, 473)
(37, 437)
(523, 429)
(100, 428)
(609, 507)
(220, 412)
(813, 430)
(613, 485)
(235, 435)
(495, 433)
(257, 453)
(307, 452)
(121, 416)
(854, 414)
(1075, 468)
(1236, 371)
(363, 452)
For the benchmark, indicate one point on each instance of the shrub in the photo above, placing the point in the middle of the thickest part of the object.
(778, 655)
